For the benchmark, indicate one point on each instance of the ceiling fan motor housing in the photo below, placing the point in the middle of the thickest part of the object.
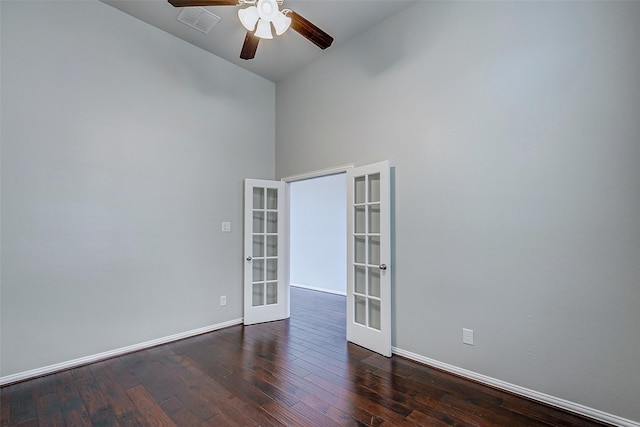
(267, 9)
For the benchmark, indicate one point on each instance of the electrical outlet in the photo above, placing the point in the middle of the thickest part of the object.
(223, 300)
(226, 227)
(467, 336)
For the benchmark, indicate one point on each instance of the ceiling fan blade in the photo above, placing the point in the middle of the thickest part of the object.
(310, 31)
(250, 46)
(186, 3)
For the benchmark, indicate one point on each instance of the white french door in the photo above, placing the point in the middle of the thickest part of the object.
(368, 257)
(266, 287)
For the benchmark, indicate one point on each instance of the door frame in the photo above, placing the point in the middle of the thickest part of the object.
(301, 177)
(287, 209)
(318, 174)
(334, 171)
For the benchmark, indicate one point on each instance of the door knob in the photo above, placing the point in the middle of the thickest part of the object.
(249, 258)
(382, 266)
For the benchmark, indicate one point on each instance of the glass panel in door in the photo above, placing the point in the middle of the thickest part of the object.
(265, 228)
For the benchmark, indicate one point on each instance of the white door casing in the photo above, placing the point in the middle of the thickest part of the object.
(266, 287)
(368, 257)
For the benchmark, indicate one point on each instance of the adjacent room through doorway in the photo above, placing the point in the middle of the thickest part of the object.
(318, 228)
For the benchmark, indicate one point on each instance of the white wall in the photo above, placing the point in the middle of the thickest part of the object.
(318, 225)
(514, 131)
(123, 148)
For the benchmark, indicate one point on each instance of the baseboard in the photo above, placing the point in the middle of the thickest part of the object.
(313, 288)
(522, 391)
(34, 373)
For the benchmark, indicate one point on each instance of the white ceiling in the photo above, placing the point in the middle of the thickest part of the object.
(277, 58)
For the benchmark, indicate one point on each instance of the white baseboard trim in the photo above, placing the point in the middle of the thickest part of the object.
(34, 373)
(522, 391)
(313, 288)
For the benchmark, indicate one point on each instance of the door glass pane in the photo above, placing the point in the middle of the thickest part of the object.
(360, 310)
(272, 292)
(258, 295)
(359, 188)
(258, 270)
(374, 313)
(374, 282)
(258, 198)
(272, 245)
(258, 222)
(272, 222)
(272, 269)
(374, 219)
(359, 282)
(374, 188)
(258, 246)
(374, 250)
(359, 250)
(272, 198)
(359, 221)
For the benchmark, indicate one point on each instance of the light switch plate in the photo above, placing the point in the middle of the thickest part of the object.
(226, 227)
(467, 336)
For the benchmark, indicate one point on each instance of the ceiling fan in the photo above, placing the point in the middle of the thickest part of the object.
(258, 19)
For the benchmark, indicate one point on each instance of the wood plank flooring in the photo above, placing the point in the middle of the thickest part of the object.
(298, 372)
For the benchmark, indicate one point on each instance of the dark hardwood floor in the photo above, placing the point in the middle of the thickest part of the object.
(299, 372)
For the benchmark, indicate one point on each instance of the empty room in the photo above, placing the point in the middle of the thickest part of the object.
(491, 154)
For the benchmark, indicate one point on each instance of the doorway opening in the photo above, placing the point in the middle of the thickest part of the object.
(267, 282)
(318, 253)
(317, 227)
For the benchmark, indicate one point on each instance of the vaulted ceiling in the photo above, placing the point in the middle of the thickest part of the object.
(277, 58)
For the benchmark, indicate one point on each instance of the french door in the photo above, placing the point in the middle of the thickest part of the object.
(266, 269)
(266, 287)
(368, 257)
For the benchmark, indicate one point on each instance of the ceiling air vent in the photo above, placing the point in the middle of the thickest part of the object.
(198, 18)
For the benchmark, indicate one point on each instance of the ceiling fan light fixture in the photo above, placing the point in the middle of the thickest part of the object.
(249, 17)
(263, 30)
(268, 9)
(281, 23)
